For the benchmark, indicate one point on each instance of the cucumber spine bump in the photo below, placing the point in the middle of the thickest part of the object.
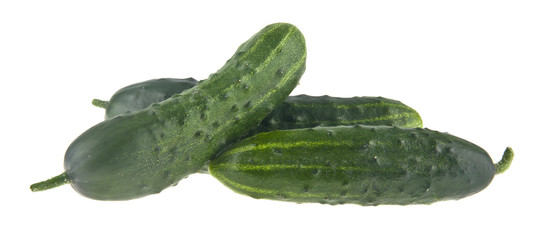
(365, 165)
(142, 153)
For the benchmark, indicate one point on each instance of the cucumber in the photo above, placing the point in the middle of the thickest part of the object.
(142, 153)
(305, 111)
(300, 111)
(365, 165)
(141, 95)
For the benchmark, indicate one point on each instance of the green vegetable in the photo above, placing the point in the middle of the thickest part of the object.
(141, 95)
(307, 111)
(366, 165)
(142, 153)
(295, 112)
(300, 111)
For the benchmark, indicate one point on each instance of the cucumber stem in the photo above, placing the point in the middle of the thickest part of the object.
(100, 103)
(51, 183)
(506, 161)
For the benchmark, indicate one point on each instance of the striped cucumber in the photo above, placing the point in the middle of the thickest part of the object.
(366, 165)
(305, 111)
(142, 153)
(300, 111)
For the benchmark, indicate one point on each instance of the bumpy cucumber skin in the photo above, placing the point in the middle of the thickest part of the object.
(301, 111)
(141, 95)
(142, 153)
(305, 111)
(366, 165)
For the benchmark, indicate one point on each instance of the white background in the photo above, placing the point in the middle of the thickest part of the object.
(468, 67)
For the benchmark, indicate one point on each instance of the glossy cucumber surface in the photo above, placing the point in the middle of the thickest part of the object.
(142, 153)
(365, 165)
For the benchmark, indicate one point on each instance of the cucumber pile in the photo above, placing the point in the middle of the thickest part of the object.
(242, 127)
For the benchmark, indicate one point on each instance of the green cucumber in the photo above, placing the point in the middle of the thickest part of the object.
(141, 95)
(305, 111)
(300, 111)
(142, 153)
(366, 165)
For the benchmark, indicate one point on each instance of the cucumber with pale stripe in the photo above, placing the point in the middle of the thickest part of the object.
(366, 165)
(300, 111)
(142, 153)
(305, 111)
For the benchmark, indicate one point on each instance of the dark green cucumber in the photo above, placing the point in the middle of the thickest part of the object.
(305, 111)
(300, 111)
(142, 153)
(141, 95)
(366, 165)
